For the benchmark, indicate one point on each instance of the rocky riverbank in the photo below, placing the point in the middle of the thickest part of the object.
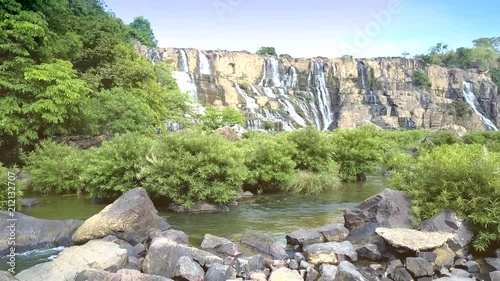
(128, 241)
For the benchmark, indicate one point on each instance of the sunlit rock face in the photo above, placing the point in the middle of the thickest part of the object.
(285, 93)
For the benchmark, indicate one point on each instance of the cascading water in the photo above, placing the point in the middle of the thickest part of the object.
(250, 103)
(271, 73)
(362, 75)
(322, 99)
(288, 106)
(291, 78)
(153, 54)
(184, 79)
(204, 63)
(471, 99)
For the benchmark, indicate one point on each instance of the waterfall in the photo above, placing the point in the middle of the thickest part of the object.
(372, 98)
(471, 99)
(291, 78)
(322, 98)
(288, 106)
(183, 61)
(271, 73)
(185, 80)
(153, 54)
(362, 75)
(251, 104)
(204, 63)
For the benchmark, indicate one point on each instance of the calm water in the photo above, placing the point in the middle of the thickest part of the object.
(275, 214)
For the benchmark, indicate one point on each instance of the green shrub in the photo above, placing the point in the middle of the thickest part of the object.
(441, 138)
(464, 178)
(113, 168)
(55, 168)
(357, 151)
(266, 51)
(268, 160)
(312, 183)
(191, 166)
(314, 152)
(490, 139)
(217, 118)
(8, 180)
(421, 79)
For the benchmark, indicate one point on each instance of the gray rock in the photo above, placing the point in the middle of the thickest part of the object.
(448, 221)
(445, 256)
(403, 238)
(392, 266)
(401, 274)
(122, 243)
(187, 269)
(428, 256)
(285, 274)
(6, 276)
(299, 257)
(242, 268)
(256, 263)
(293, 265)
(311, 274)
(419, 267)
(459, 273)
(219, 272)
(455, 279)
(122, 275)
(134, 263)
(96, 254)
(163, 255)
(330, 252)
(304, 265)
(327, 233)
(327, 272)
(347, 271)
(498, 253)
(140, 250)
(131, 217)
(220, 245)
(264, 243)
(493, 262)
(33, 233)
(173, 235)
(257, 276)
(471, 266)
(495, 275)
(368, 251)
(200, 207)
(390, 208)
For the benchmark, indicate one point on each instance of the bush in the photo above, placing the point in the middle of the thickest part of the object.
(314, 152)
(312, 183)
(441, 138)
(6, 194)
(490, 139)
(357, 151)
(421, 79)
(55, 168)
(268, 160)
(191, 166)
(266, 51)
(464, 178)
(217, 118)
(113, 168)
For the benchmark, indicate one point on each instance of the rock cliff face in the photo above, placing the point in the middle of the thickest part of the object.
(286, 93)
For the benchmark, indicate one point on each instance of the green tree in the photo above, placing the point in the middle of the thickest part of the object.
(421, 79)
(266, 51)
(217, 118)
(141, 30)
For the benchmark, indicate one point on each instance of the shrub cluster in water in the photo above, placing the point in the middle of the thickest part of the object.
(437, 169)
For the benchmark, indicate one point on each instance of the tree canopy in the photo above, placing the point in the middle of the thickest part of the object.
(266, 51)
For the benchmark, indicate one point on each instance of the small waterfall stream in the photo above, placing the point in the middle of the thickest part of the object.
(204, 63)
(471, 99)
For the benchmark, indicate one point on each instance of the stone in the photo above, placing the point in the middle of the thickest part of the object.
(134, 263)
(247, 194)
(311, 274)
(33, 233)
(459, 273)
(293, 265)
(498, 253)
(495, 275)
(199, 207)
(330, 252)
(390, 208)
(189, 270)
(413, 239)
(173, 235)
(219, 272)
(327, 233)
(493, 262)
(220, 245)
(392, 266)
(471, 266)
(256, 263)
(298, 257)
(401, 274)
(448, 221)
(368, 251)
(6, 276)
(120, 275)
(122, 243)
(242, 268)
(140, 250)
(96, 254)
(419, 267)
(131, 217)
(428, 256)
(304, 265)
(257, 276)
(264, 243)
(327, 272)
(347, 271)
(163, 254)
(445, 257)
(285, 274)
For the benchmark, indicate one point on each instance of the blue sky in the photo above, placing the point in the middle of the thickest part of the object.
(329, 28)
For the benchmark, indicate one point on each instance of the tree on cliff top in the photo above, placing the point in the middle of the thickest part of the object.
(266, 51)
(141, 30)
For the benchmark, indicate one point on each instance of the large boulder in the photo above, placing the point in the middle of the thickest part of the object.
(264, 243)
(330, 252)
(131, 218)
(411, 239)
(220, 272)
(346, 271)
(163, 255)
(419, 267)
(189, 270)
(120, 275)
(6, 276)
(32, 233)
(390, 208)
(95, 254)
(220, 245)
(285, 274)
(447, 221)
(327, 233)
